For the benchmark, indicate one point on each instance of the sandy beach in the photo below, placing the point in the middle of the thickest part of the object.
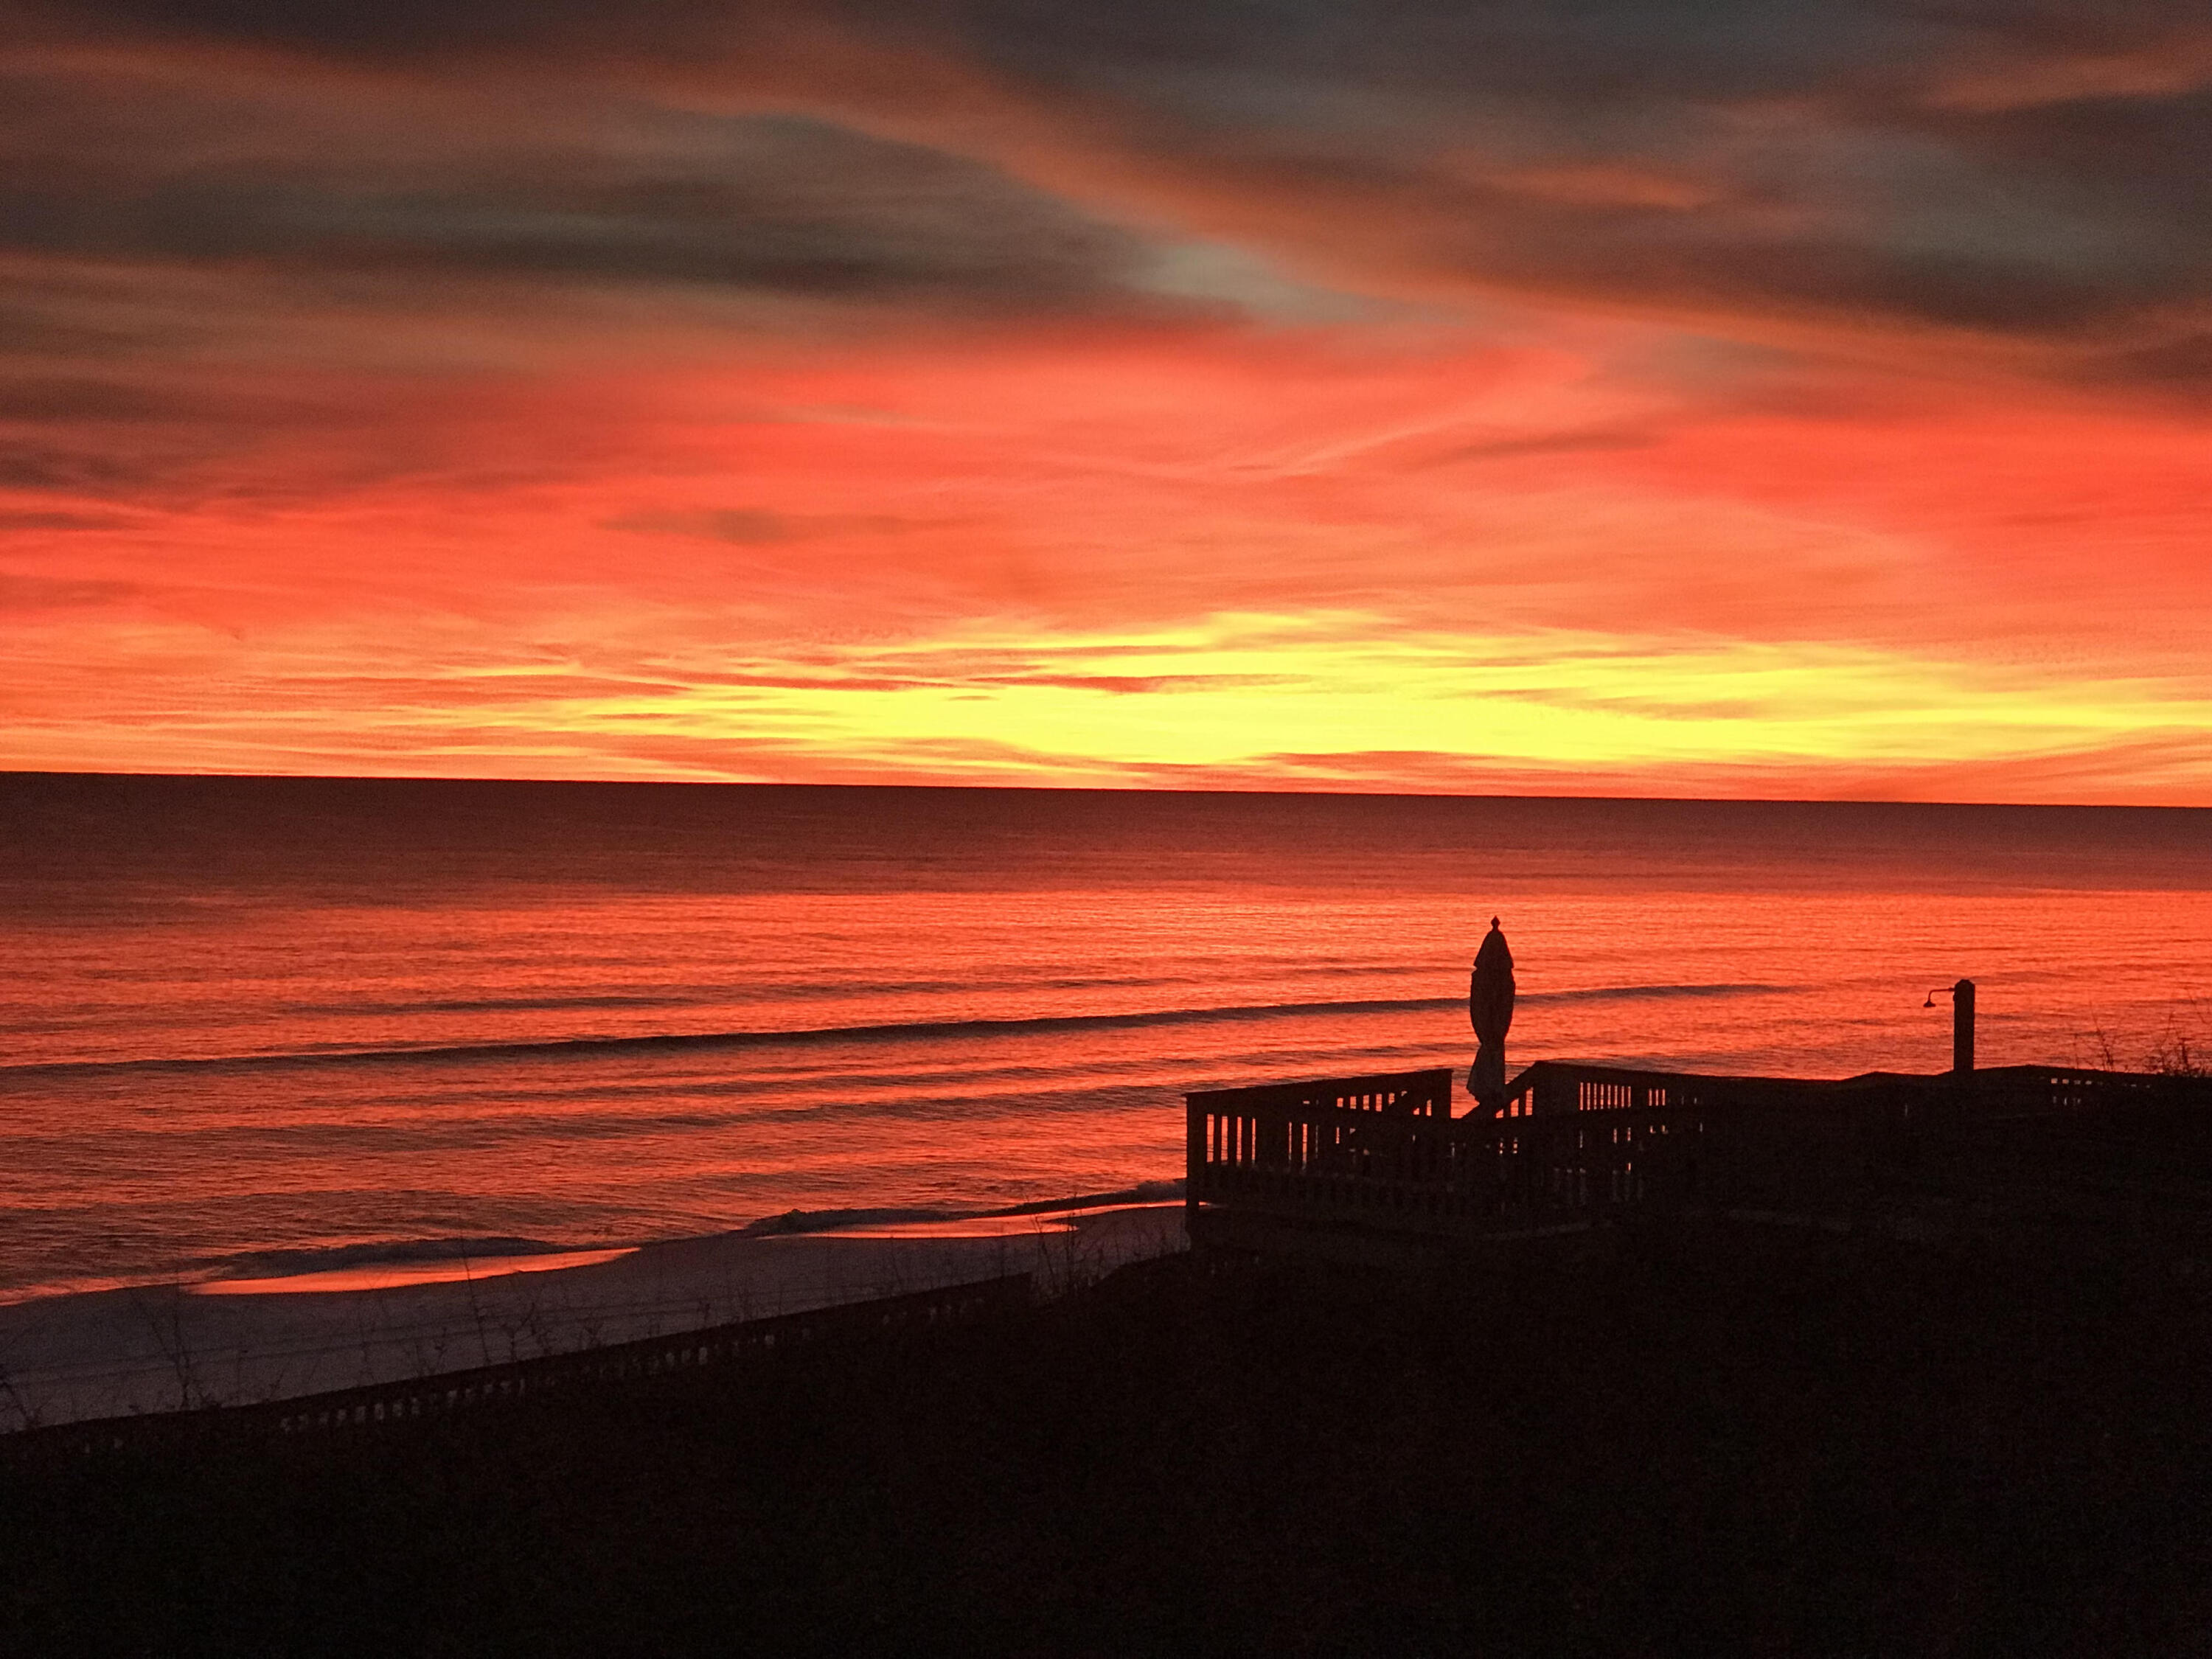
(157, 1348)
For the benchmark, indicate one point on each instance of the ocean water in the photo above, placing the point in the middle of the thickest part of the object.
(246, 1022)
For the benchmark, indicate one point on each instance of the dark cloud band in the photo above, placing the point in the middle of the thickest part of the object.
(2035, 170)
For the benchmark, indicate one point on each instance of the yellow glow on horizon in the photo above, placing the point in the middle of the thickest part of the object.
(1239, 562)
(1556, 701)
(1250, 700)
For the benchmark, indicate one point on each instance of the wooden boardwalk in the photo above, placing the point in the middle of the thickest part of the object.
(1375, 1167)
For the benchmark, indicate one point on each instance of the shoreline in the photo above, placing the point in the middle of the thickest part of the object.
(484, 1255)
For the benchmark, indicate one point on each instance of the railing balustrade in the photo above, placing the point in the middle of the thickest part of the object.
(1574, 1142)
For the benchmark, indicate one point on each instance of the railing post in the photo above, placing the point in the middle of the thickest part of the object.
(1193, 1163)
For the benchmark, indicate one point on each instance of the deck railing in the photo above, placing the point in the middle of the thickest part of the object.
(1304, 1151)
(1574, 1142)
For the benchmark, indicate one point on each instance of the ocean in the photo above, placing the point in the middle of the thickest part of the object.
(257, 1026)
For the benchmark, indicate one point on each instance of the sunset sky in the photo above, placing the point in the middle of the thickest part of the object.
(1714, 397)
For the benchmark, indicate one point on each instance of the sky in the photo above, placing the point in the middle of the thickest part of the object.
(1707, 398)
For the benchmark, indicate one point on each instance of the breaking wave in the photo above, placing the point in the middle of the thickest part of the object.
(905, 1032)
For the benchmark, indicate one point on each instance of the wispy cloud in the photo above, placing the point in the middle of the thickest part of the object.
(1650, 398)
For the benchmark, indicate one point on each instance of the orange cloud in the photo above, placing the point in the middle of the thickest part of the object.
(1127, 557)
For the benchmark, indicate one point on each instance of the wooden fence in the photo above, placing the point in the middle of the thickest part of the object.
(1577, 1143)
(357, 1411)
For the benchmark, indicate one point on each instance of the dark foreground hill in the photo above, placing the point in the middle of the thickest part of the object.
(1701, 1442)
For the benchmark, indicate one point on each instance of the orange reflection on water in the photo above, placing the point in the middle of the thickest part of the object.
(983, 1226)
(391, 1275)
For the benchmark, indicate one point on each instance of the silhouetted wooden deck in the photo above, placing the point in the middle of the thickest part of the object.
(1373, 1165)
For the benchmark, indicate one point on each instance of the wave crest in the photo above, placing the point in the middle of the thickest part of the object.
(905, 1032)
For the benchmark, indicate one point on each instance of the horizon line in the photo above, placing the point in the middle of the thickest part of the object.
(13, 773)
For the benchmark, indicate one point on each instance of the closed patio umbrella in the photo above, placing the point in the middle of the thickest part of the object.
(1490, 1007)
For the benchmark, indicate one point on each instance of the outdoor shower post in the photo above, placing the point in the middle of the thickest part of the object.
(1962, 1031)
